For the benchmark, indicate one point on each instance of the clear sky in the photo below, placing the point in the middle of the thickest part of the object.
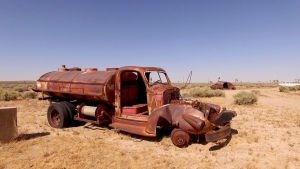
(254, 40)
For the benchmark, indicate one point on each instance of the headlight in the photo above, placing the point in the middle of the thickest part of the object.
(38, 84)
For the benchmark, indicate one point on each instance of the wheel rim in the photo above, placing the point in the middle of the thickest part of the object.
(180, 138)
(55, 118)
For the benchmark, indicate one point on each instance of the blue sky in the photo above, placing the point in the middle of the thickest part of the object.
(248, 40)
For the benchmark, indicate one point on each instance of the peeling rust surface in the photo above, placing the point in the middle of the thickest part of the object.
(91, 85)
(196, 123)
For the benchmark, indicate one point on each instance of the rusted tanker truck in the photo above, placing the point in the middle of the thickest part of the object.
(133, 99)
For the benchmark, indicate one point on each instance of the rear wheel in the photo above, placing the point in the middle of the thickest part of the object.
(57, 115)
(180, 138)
(71, 111)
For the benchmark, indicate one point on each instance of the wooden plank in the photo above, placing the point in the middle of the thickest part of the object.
(8, 124)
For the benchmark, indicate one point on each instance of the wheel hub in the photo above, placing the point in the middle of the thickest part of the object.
(180, 138)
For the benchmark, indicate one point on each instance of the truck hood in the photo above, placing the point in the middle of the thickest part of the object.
(161, 88)
(161, 94)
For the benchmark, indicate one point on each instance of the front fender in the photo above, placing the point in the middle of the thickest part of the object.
(163, 112)
(185, 117)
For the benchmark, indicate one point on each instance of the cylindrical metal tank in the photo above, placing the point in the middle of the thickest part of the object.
(90, 85)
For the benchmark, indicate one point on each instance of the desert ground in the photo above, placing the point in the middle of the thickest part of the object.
(265, 135)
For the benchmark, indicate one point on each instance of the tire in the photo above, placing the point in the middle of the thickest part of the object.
(57, 115)
(70, 109)
(180, 138)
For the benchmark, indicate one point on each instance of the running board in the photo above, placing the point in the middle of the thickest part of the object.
(134, 129)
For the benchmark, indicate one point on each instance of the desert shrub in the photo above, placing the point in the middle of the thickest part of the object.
(21, 88)
(294, 88)
(245, 98)
(11, 86)
(284, 89)
(287, 89)
(5, 86)
(206, 92)
(30, 85)
(256, 92)
(29, 95)
(6, 95)
(219, 93)
(18, 89)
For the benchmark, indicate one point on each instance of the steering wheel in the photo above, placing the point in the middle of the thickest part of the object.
(157, 81)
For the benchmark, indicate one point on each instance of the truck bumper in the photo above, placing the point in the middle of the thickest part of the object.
(213, 136)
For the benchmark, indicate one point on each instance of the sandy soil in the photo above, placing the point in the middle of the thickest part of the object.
(265, 135)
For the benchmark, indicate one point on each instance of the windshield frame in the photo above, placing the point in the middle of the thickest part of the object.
(159, 72)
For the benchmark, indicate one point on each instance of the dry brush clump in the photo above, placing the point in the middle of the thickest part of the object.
(286, 89)
(245, 98)
(206, 92)
(6, 95)
(29, 95)
(21, 88)
(256, 92)
(11, 91)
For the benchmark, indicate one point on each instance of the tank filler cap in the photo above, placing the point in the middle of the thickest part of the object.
(63, 68)
(90, 69)
(111, 69)
(75, 69)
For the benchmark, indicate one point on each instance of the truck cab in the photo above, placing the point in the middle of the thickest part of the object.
(138, 92)
(143, 90)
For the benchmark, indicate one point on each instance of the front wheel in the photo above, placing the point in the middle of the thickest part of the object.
(57, 115)
(180, 138)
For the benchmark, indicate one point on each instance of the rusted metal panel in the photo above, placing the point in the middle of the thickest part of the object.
(91, 85)
(188, 117)
(174, 113)
(213, 136)
(65, 76)
(223, 117)
(163, 95)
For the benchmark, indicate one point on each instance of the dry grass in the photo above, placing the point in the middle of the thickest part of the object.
(265, 135)
(245, 98)
(16, 90)
(205, 92)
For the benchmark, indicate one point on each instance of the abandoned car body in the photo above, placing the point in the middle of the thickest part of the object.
(223, 85)
(132, 99)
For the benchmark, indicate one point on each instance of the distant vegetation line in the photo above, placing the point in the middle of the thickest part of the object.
(238, 85)
(18, 82)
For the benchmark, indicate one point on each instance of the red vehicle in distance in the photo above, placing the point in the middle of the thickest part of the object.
(223, 85)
